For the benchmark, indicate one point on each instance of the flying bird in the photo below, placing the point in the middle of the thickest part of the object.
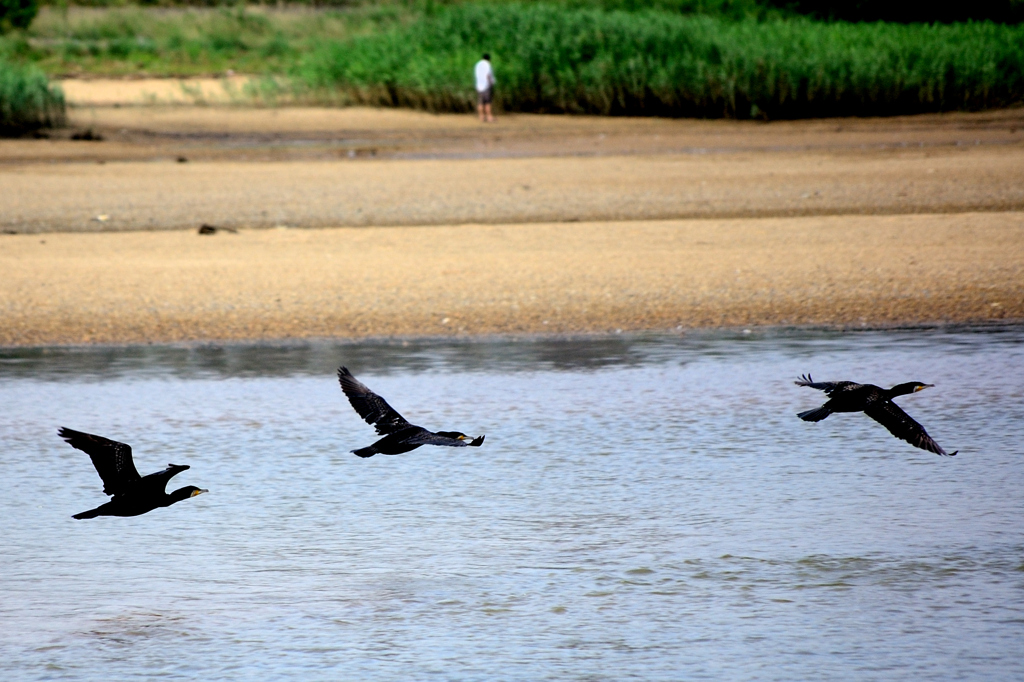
(875, 402)
(399, 435)
(131, 494)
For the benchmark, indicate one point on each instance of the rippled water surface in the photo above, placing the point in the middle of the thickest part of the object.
(643, 508)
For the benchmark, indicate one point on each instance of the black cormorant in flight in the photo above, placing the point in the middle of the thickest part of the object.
(132, 494)
(399, 435)
(875, 402)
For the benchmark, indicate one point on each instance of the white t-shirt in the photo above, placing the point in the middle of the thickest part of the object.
(484, 75)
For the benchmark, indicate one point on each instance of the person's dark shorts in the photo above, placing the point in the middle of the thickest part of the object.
(485, 96)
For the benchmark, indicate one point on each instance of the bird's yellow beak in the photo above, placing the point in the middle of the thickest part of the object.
(462, 437)
(198, 492)
(921, 388)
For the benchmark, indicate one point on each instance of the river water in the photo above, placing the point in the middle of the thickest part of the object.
(643, 508)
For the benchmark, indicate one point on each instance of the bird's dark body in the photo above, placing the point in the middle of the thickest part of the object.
(876, 402)
(399, 435)
(846, 396)
(131, 494)
(126, 505)
(146, 496)
(396, 443)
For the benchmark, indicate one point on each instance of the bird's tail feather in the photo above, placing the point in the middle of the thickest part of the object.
(91, 514)
(815, 415)
(369, 451)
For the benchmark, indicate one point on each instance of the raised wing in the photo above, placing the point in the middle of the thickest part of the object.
(159, 480)
(427, 438)
(113, 460)
(370, 406)
(828, 386)
(888, 414)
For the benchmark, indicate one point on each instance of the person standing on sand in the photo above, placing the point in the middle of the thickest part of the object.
(484, 88)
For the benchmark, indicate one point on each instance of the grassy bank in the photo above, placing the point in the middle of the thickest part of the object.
(186, 41)
(902, 11)
(549, 57)
(27, 100)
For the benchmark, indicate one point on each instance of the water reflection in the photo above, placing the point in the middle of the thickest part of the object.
(290, 358)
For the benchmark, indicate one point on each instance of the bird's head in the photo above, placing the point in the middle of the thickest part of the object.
(909, 387)
(187, 492)
(458, 435)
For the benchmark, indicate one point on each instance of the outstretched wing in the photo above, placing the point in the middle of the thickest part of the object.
(425, 437)
(828, 386)
(113, 460)
(888, 414)
(370, 406)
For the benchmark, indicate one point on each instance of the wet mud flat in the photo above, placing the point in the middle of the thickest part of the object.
(174, 167)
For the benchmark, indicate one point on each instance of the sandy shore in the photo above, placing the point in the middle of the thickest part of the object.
(440, 225)
(483, 279)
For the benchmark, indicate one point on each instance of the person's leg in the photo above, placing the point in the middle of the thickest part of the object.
(480, 109)
(487, 111)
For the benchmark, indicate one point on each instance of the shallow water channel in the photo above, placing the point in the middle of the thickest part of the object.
(643, 508)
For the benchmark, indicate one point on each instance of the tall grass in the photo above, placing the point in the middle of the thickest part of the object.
(191, 41)
(552, 58)
(27, 100)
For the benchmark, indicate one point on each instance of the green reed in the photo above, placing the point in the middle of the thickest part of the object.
(557, 59)
(27, 100)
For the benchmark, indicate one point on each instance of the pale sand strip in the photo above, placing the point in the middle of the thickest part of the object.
(357, 282)
(153, 91)
(167, 195)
